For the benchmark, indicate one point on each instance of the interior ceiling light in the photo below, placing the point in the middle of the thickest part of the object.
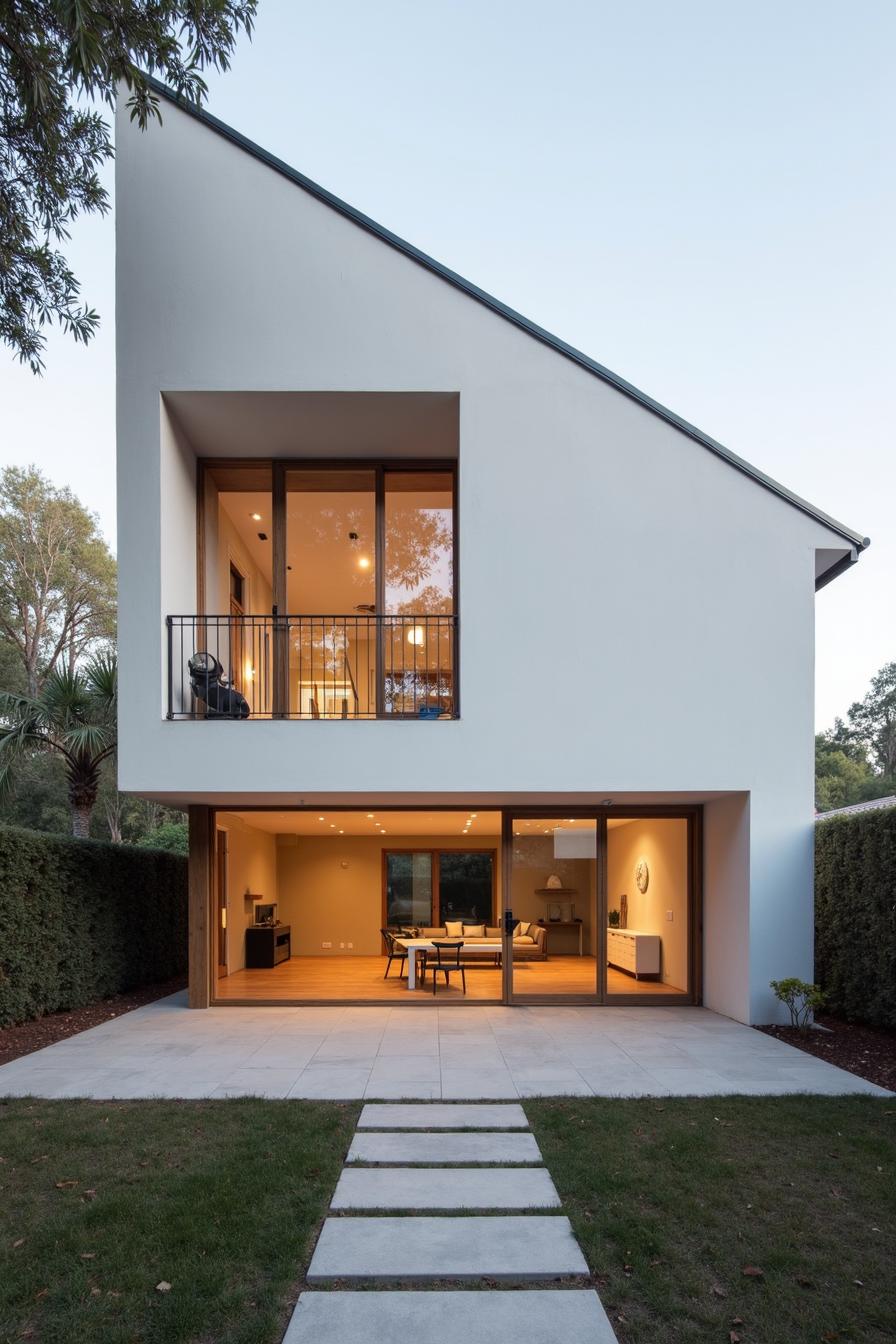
(321, 818)
(416, 635)
(364, 563)
(256, 517)
(370, 816)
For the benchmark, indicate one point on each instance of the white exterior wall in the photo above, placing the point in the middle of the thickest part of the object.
(600, 548)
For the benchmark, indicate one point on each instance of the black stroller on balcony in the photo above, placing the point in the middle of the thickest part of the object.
(210, 686)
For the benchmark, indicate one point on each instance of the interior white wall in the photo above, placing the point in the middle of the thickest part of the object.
(663, 842)
(635, 613)
(251, 868)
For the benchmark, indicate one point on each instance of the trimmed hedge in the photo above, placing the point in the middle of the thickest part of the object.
(81, 920)
(855, 915)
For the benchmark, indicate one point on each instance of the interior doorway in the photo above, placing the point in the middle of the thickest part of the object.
(221, 899)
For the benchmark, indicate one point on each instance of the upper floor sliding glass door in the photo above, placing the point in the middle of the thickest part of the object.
(327, 591)
(330, 592)
(417, 594)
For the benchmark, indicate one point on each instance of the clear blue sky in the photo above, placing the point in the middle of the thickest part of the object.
(699, 195)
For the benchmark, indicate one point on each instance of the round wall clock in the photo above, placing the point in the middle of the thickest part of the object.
(642, 875)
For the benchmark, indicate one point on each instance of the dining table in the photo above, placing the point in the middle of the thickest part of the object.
(413, 945)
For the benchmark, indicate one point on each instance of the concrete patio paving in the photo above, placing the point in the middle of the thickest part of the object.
(420, 1053)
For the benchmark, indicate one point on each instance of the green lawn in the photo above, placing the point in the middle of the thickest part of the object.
(101, 1202)
(673, 1199)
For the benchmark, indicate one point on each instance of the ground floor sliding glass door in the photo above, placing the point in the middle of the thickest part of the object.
(603, 906)
(586, 905)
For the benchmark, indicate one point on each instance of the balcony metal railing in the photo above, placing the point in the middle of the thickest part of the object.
(312, 667)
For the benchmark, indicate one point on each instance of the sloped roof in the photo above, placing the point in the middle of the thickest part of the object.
(855, 540)
(870, 806)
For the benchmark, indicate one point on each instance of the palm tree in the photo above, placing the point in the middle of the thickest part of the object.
(73, 715)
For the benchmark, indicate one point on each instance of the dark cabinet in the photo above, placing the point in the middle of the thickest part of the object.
(267, 945)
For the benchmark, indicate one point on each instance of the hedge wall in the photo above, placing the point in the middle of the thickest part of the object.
(80, 920)
(855, 915)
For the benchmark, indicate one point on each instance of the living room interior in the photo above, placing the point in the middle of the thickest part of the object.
(310, 905)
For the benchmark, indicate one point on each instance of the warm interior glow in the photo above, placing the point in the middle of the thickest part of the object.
(416, 635)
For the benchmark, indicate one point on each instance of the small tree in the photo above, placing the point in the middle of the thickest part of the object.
(171, 835)
(74, 717)
(801, 998)
(57, 579)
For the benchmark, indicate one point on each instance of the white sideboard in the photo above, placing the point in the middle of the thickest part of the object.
(637, 953)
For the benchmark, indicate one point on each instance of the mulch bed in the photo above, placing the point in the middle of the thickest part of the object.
(869, 1052)
(30, 1036)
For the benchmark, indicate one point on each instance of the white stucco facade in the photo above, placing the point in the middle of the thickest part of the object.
(673, 593)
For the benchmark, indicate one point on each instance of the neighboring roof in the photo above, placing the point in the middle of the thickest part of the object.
(871, 806)
(855, 540)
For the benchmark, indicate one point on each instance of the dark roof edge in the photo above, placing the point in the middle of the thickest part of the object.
(510, 315)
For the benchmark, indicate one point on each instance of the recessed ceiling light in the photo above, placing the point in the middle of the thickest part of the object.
(321, 818)
(342, 832)
(474, 815)
(364, 563)
(370, 816)
(332, 825)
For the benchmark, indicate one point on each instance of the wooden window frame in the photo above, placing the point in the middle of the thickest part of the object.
(435, 851)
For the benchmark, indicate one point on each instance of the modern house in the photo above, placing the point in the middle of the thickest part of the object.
(427, 618)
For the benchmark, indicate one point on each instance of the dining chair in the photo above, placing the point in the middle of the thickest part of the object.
(394, 952)
(443, 957)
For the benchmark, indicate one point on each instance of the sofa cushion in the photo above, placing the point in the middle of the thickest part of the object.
(454, 928)
(521, 929)
(524, 941)
(493, 931)
(474, 930)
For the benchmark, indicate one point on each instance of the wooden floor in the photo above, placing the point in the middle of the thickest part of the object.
(360, 979)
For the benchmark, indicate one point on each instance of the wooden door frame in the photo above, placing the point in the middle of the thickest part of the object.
(692, 814)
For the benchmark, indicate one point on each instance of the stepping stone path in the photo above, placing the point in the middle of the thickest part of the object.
(408, 1158)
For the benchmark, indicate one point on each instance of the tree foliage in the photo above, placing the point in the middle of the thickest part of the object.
(58, 59)
(842, 777)
(57, 578)
(872, 721)
(74, 717)
(171, 835)
(856, 759)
